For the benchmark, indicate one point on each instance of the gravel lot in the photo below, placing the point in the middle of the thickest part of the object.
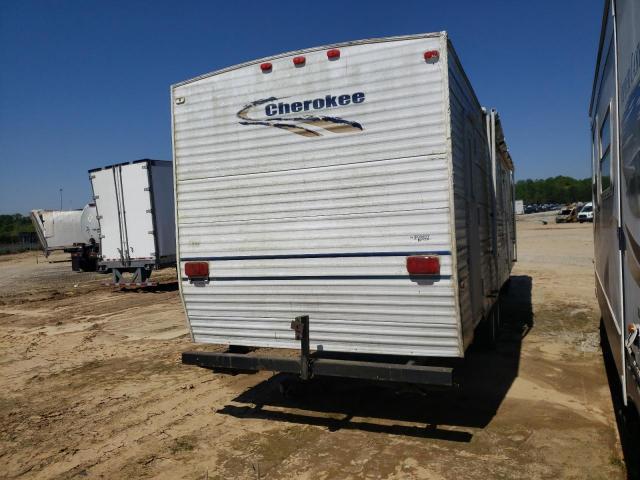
(92, 387)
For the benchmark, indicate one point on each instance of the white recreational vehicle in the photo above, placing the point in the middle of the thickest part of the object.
(72, 231)
(615, 130)
(134, 203)
(357, 188)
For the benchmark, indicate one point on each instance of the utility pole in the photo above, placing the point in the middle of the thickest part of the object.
(60, 199)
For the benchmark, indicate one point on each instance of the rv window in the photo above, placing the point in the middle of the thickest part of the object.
(605, 172)
(605, 135)
(605, 155)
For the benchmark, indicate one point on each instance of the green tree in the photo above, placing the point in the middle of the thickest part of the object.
(12, 225)
(558, 189)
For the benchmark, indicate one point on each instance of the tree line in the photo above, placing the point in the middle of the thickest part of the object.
(12, 225)
(558, 189)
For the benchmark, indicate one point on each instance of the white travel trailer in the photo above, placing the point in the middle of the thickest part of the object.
(72, 231)
(134, 202)
(615, 130)
(357, 188)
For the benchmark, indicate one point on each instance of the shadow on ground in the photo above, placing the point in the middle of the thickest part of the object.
(448, 414)
(159, 288)
(627, 419)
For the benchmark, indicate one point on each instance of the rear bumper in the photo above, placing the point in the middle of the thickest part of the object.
(379, 368)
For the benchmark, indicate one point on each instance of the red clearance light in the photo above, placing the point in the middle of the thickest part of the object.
(196, 269)
(423, 265)
(266, 67)
(431, 55)
(334, 53)
(299, 60)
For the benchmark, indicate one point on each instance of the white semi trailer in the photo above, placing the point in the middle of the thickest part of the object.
(349, 200)
(615, 131)
(135, 209)
(72, 231)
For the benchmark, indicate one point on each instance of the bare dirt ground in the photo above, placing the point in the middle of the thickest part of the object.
(91, 386)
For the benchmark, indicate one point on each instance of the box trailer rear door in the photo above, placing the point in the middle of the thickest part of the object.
(123, 202)
(136, 199)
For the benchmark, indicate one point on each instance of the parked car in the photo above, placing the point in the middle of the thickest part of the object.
(568, 214)
(586, 214)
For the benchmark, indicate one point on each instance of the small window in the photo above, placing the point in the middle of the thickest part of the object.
(605, 172)
(605, 135)
(605, 155)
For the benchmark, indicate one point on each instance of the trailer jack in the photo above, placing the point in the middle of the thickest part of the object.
(301, 326)
(332, 364)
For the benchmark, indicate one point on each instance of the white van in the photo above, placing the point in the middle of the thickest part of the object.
(586, 213)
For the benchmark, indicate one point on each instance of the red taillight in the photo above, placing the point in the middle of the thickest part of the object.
(431, 55)
(298, 60)
(333, 53)
(423, 265)
(196, 269)
(266, 67)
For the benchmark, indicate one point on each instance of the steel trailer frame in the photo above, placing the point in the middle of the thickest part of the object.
(309, 365)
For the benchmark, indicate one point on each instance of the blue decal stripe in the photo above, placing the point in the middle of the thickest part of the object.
(330, 277)
(314, 255)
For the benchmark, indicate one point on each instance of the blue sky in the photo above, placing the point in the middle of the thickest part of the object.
(86, 83)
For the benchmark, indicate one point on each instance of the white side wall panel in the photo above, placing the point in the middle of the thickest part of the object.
(472, 187)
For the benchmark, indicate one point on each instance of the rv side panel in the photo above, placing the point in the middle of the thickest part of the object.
(472, 199)
(608, 259)
(628, 40)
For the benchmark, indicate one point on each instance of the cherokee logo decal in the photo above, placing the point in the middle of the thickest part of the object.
(279, 114)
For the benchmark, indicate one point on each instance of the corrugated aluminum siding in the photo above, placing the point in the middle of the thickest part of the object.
(472, 186)
(321, 225)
